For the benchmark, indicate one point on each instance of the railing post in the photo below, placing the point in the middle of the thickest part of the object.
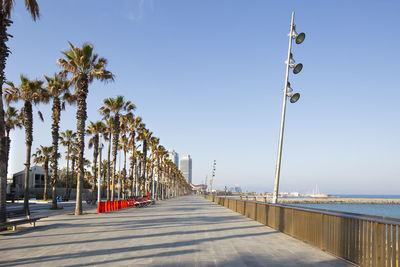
(379, 232)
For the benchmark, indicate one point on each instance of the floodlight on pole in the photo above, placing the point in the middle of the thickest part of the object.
(287, 93)
(294, 97)
(300, 37)
(297, 68)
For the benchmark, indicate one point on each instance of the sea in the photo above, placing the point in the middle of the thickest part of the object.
(385, 210)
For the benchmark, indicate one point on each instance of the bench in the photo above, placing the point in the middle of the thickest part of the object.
(12, 214)
(144, 201)
(15, 213)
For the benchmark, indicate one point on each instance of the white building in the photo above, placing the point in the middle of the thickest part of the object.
(186, 168)
(36, 178)
(174, 157)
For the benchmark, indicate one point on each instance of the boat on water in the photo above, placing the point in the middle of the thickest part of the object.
(317, 194)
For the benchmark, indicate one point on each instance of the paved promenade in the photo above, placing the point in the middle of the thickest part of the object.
(189, 231)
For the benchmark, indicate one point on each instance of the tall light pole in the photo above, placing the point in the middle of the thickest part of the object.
(99, 178)
(213, 175)
(287, 93)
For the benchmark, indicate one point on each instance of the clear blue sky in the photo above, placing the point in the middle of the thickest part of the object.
(207, 78)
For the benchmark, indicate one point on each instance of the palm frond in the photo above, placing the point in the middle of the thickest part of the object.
(7, 7)
(40, 115)
(33, 8)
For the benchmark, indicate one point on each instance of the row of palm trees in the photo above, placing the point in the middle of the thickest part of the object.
(155, 173)
(6, 6)
(120, 127)
(79, 67)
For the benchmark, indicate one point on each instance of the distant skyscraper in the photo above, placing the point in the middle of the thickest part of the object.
(174, 157)
(186, 168)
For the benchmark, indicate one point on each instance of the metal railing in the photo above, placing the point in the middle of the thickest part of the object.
(361, 239)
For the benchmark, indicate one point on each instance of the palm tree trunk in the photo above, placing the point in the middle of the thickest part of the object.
(152, 180)
(124, 174)
(28, 140)
(95, 154)
(136, 177)
(108, 166)
(144, 163)
(115, 151)
(8, 142)
(46, 174)
(3, 146)
(4, 52)
(81, 116)
(55, 127)
(67, 177)
(73, 160)
(131, 174)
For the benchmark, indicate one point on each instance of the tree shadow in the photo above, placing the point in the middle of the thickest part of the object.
(138, 247)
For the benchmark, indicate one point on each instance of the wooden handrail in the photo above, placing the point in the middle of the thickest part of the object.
(366, 240)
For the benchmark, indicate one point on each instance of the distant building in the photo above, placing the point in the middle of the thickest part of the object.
(199, 189)
(238, 189)
(36, 178)
(186, 168)
(174, 157)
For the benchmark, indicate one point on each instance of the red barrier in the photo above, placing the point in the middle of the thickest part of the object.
(107, 206)
(101, 207)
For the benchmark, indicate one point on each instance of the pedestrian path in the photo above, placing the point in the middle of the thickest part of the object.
(188, 231)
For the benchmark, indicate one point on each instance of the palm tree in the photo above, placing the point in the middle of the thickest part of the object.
(96, 129)
(132, 124)
(125, 143)
(84, 66)
(5, 15)
(138, 166)
(154, 142)
(144, 135)
(124, 146)
(31, 92)
(67, 139)
(167, 171)
(12, 120)
(161, 153)
(109, 122)
(58, 89)
(43, 155)
(104, 165)
(73, 156)
(116, 107)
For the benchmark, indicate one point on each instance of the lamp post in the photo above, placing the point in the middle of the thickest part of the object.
(287, 92)
(99, 178)
(152, 185)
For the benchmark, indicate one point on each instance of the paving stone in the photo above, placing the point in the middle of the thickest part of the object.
(188, 231)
